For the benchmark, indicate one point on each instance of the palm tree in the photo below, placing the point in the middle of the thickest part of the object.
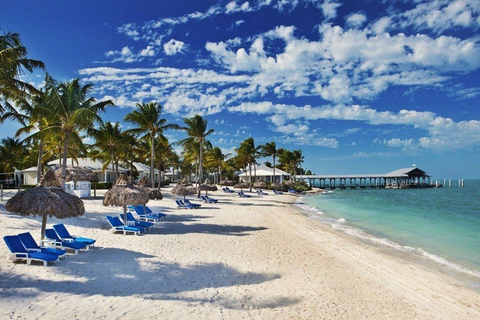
(11, 154)
(217, 159)
(147, 118)
(37, 114)
(108, 138)
(298, 160)
(247, 153)
(270, 149)
(75, 111)
(13, 63)
(197, 131)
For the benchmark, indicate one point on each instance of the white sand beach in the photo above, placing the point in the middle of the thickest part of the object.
(254, 258)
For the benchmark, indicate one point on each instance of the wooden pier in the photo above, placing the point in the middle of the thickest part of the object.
(399, 179)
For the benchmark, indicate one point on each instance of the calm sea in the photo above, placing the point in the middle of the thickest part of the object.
(441, 225)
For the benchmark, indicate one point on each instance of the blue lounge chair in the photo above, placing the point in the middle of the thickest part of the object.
(243, 195)
(195, 205)
(277, 192)
(52, 239)
(148, 215)
(260, 192)
(32, 246)
(64, 235)
(227, 190)
(144, 224)
(118, 226)
(211, 199)
(208, 200)
(292, 191)
(181, 205)
(20, 253)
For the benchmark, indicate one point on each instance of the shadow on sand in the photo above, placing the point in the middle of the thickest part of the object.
(123, 273)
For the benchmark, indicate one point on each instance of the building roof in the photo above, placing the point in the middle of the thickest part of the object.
(94, 165)
(143, 167)
(263, 171)
(405, 172)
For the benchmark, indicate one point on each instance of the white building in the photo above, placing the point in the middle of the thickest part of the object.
(264, 173)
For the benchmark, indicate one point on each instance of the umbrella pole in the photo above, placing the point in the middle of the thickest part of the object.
(125, 214)
(44, 226)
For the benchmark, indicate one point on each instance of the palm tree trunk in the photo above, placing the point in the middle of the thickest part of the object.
(64, 163)
(274, 178)
(44, 225)
(200, 166)
(152, 161)
(39, 161)
(250, 175)
(113, 168)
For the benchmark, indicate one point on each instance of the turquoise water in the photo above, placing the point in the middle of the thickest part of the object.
(441, 225)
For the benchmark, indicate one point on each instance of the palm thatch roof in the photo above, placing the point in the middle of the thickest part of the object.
(77, 174)
(46, 200)
(226, 183)
(144, 182)
(260, 184)
(208, 186)
(154, 193)
(49, 180)
(182, 190)
(124, 193)
(40, 201)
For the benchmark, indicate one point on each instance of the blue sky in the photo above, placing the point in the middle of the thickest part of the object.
(358, 86)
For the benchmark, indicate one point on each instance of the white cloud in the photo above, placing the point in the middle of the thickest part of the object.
(127, 55)
(329, 9)
(356, 20)
(173, 47)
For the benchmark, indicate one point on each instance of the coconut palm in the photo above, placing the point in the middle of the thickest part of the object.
(35, 114)
(75, 110)
(196, 129)
(108, 138)
(270, 149)
(216, 159)
(147, 117)
(14, 63)
(247, 153)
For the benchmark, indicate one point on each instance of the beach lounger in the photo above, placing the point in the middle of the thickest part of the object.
(52, 239)
(64, 235)
(277, 192)
(19, 252)
(31, 245)
(181, 205)
(137, 223)
(118, 226)
(148, 215)
(292, 191)
(260, 192)
(227, 190)
(243, 195)
(195, 205)
(208, 200)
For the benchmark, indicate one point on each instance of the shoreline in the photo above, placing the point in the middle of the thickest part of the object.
(469, 276)
(256, 258)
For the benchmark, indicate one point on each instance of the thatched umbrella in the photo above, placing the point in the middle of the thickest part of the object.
(226, 183)
(153, 193)
(182, 190)
(241, 185)
(78, 174)
(124, 193)
(207, 186)
(49, 199)
(260, 184)
(276, 185)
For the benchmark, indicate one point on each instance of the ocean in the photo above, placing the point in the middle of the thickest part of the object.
(439, 226)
